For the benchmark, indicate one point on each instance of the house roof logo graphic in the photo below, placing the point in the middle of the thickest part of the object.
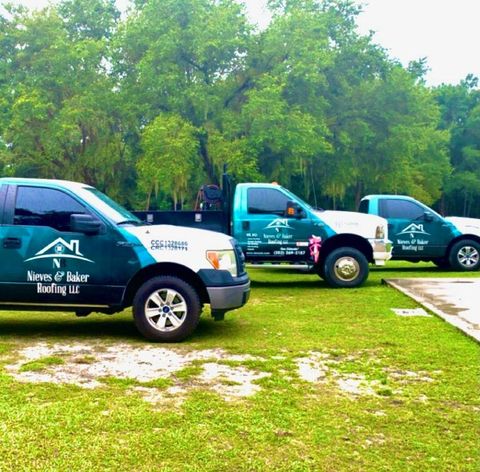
(413, 229)
(60, 249)
(279, 223)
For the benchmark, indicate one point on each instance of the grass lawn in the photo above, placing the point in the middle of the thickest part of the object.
(385, 392)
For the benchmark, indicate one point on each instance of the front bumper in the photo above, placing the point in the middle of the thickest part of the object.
(382, 251)
(224, 291)
(228, 298)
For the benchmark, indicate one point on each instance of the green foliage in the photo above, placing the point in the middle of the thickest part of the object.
(460, 107)
(156, 103)
(170, 146)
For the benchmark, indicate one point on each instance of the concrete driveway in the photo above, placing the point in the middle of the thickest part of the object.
(456, 300)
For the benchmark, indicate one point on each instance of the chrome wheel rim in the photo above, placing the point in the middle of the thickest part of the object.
(468, 256)
(347, 269)
(166, 310)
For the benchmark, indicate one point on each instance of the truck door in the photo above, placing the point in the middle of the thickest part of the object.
(43, 261)
(415, 230)
(267, 232)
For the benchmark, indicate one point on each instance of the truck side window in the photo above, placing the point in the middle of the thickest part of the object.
(266, 200)
(36, 206)
(363, 208)
(396, 208)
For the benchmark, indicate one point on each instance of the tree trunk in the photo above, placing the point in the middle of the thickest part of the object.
(358, 195)
(442, 204)
(207, 163)
(149, 196)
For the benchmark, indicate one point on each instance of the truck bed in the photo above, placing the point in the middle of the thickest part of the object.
(213, 220)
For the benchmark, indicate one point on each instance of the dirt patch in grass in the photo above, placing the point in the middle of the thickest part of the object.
(166, 375)
(140, 365)
(321, 367)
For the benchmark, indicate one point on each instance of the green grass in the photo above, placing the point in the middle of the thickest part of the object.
(290, 425)
(41, 364)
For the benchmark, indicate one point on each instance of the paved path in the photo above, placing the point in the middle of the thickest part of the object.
(457, 301)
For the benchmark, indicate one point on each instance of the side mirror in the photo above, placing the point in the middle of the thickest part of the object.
(87, 224)
(294, 210)
(428, 216)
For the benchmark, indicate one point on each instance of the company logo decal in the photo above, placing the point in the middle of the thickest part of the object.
(315, 243)
(279, 223)
(413, 229)
(60, 249)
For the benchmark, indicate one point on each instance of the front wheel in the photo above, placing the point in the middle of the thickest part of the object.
(465, 255)
(345, 267)
(166, 309)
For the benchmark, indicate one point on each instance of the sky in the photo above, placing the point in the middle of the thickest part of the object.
(446, 32)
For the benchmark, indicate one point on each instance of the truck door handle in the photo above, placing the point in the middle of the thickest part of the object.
(12, 243)
(246, 225)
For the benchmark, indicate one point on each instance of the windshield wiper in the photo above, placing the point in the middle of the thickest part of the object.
(131, 222)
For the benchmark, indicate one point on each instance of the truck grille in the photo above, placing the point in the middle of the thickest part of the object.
(239, 257)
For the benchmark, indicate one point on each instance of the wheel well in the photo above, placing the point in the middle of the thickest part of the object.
(346, 240)
(164, 268)
(473, 237)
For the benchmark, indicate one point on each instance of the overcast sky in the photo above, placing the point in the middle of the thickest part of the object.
(446, 32)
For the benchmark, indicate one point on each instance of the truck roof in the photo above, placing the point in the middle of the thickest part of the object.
(386, 195)
(258, 184)
(52, 183)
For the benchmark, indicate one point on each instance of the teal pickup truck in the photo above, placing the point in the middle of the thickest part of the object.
(272, 225)
(66, 246)
(418, 233)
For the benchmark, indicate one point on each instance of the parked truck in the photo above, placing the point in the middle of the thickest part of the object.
(272, 225)
(419, 233)
(66, 246)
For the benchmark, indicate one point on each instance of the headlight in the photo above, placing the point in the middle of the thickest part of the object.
(223, 260)
(380, 232)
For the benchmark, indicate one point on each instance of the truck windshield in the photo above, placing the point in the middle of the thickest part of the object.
(108, 207)
(298, 199)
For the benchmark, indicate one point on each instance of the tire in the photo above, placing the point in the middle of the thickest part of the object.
(465, 255)
(166, 309)
(345, 267)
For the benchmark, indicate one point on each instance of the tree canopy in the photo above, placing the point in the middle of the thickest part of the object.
(150, 104)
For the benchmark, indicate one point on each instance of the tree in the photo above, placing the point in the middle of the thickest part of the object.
(170, 146)
(63, 119)
(460, 107)
(182, 57)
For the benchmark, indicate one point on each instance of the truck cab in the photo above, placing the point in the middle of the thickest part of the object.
(66, 246)
(272, 224)
(418, 233)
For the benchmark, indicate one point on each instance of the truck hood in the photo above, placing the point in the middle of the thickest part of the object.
(354, 223)
(198, 238)
(177, 244)
(465, 225)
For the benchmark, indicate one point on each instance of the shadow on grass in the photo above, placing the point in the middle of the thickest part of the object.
(311, 284)
(431, 270)
(122, 330)
(82, 329)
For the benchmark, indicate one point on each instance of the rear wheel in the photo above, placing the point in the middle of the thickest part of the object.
(345, 267)
(465, 255)
(166, 309)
